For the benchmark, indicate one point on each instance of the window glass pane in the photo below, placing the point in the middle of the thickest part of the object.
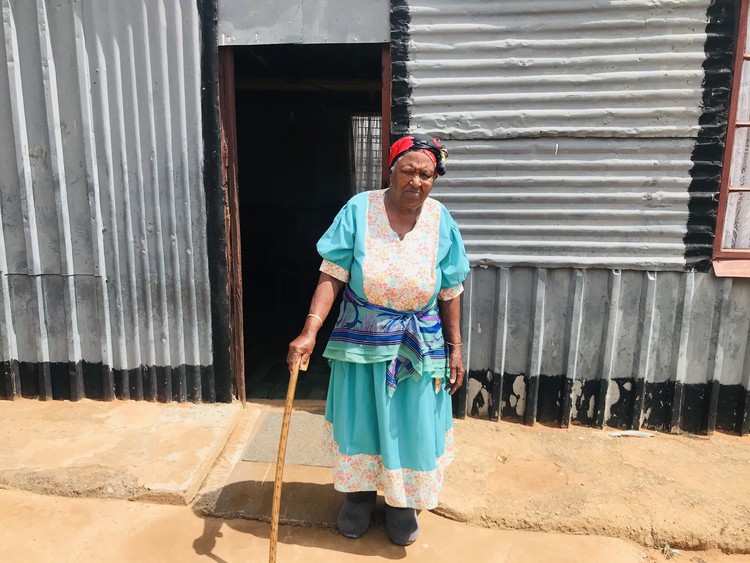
(743, 102)
(367, 162)
(740, 167)
(737, 225)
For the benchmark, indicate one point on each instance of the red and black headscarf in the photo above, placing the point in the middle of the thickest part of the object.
(422, 143)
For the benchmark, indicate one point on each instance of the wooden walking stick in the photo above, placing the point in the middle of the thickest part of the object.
(293, 374)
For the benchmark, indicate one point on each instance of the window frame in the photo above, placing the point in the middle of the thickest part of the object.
(386, 61)
(734, 262)
(377, 163)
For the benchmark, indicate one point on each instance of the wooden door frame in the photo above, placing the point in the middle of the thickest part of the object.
(385, 107)
(229, 182)
(227, 109)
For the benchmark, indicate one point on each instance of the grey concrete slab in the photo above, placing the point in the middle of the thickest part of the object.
(121, 449)
(304, 446)
(307, 495)
(244, 489)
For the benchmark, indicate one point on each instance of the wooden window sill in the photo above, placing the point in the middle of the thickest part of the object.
(732, 267)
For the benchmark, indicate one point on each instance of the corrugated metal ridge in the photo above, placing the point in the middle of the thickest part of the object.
(554, 97)
(545, 229)
(659, 198)
(520, 244)
(110, 271)
(578, 260)
(579, 117)
(534, 26)
(508, 63)
(579, 43)
(571, 7)
(665, 350)
(622, 113)
(554, 181)
(588, 78)
(462, 132)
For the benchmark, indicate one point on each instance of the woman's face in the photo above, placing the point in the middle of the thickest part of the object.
(411, 179)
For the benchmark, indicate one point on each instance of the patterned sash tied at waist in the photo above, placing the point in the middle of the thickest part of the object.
(410, 341)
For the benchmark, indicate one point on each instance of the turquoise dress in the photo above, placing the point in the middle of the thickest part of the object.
(398, 442)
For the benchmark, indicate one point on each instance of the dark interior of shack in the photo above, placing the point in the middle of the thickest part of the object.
(294, 108)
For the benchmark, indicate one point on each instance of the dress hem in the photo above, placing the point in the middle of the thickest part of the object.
(402, 487)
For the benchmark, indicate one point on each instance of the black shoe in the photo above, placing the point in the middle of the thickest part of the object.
(356, 513)
(402, 525)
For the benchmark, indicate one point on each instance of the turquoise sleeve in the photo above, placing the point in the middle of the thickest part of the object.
(454, 265)
(337, 243)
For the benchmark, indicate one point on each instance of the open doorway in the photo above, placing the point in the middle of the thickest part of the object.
(309, 136)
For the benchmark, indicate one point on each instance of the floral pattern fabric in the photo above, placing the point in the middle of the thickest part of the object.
(400, 274)
(398, 442)
(401, 487)
(334, 270)
(450, 292)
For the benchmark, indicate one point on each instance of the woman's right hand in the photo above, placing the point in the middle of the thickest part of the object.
(300, 349)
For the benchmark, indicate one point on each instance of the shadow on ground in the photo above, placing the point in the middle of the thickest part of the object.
(242, 505)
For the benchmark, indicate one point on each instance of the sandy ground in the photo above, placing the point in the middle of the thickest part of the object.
(585, 496)
(55, 529)
(686, 491)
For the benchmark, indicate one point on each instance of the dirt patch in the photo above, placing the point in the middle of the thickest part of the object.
(678, 490)
(523, 478)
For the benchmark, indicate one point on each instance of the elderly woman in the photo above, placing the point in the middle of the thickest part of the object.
(395, 352)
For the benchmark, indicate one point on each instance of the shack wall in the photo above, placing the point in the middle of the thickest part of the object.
(622, 348)
(103, 258)
(583, 133)
(586, 140)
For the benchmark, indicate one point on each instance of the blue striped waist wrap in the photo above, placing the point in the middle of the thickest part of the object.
(410, 341)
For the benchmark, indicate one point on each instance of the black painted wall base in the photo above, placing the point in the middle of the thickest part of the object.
(666, 406)
(75, 381)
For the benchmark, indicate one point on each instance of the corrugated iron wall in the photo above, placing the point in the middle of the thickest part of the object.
(582, 134)
(573, 125)
(585, 145)
(103, 261)
(665, 350)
